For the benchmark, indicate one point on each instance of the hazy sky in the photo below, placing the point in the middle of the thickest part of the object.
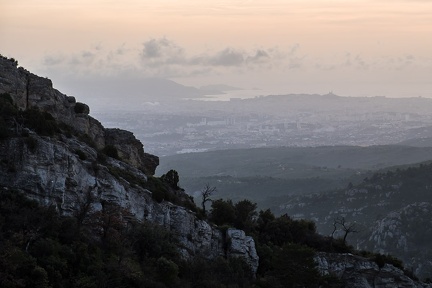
(353, 48)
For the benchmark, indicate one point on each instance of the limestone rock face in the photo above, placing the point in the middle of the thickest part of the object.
(61, 171)
(51, 172)
(240, 245)
(13, 80)
(359, 272)
(31, 91)
(131, 150)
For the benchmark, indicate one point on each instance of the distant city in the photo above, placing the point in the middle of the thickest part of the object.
(185, 126)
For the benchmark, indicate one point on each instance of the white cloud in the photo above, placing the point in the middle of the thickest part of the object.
(164, 58)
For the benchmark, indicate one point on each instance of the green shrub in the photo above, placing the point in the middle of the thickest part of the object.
(41, 122)
(167, 270)
(158, 195)
(111, 151)
(172, 178)
(6, 98)
(31, 143)
(87, 139)
(80, 108)
(4, 129)
(381, 260)
(81, 154)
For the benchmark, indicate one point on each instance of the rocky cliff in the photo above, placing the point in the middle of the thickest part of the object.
(60, 170)
(31, 91)
(358, 272)
(82, 158)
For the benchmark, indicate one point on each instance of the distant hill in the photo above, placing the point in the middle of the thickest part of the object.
(268, 175)
(130, 92)
(293, 162)
(392, 211)
(219, 87)
(383, 189)
(418, 142)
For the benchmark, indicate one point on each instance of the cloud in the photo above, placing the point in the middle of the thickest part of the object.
(162, 49)
(227, 57)
(163, 57)
(167, 58)
(159, 57)
(295, 62)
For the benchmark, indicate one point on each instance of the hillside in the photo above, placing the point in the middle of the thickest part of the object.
(391, 210)
(80, 207)
(265, 174)
(54, 153)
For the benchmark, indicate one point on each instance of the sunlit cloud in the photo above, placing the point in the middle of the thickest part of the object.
(165, 58)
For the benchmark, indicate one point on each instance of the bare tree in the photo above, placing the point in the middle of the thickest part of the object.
(206, 192)
(84, 207)
(346, 227)
(335, 228)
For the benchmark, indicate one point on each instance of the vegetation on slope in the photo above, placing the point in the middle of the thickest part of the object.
(264, 175)
(40, 248)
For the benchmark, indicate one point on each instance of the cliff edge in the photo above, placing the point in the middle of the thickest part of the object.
(57, 154)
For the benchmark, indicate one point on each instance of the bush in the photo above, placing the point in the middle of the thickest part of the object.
(223, 212)
(381, 260)
(111, 151)
(172, 178)
(81, 108)
(158, 195)
(41, 122)
(6, 98)
(81, 154)
(167, 270)
(4, 129)
(127, 175)
(31, 143)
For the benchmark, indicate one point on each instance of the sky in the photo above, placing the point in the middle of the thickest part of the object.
(350, 47)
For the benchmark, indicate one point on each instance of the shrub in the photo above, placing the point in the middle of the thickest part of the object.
(81, 108)
(223, 212)
(41, 122)
(172, 178)
(158, 195)
(111, 151)
(87, 139)
(4, 129)
(6, 97)
(167, 270)
(81, 154)
(31, 143)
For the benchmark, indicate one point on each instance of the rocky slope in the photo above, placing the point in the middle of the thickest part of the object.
(391, 212)
(82, 159)
(355, 271)
(61, 170)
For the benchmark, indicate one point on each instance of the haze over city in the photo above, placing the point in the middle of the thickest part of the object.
(353, 48)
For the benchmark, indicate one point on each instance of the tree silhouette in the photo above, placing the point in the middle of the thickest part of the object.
(345, 226)
(206, 192)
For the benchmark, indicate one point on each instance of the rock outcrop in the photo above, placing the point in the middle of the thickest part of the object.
(240, 245)
(60, 171)
(406, 231)
(131, 150)
(358, 272)
(31, 91)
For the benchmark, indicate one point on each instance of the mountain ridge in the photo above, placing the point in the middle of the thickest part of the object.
(55, 153)
(63, 165)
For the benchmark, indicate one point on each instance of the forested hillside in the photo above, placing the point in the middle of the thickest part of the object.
(266, 175)
(391, 210)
